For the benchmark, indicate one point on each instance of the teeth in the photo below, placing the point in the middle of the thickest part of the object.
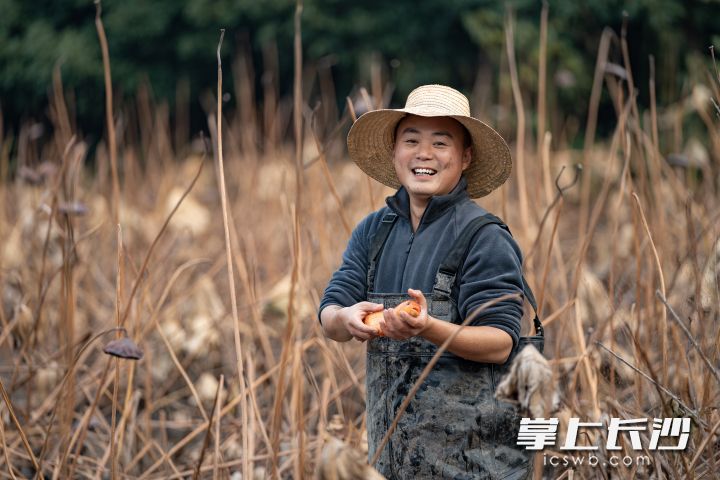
(423, 171)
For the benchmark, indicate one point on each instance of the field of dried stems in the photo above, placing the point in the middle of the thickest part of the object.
(624, 263)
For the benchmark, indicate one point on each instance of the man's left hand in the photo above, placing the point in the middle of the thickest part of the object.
(400, 325)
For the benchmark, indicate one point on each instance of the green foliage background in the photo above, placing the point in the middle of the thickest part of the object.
(443, 41)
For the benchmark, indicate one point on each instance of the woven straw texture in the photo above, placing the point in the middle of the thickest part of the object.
(371, 140)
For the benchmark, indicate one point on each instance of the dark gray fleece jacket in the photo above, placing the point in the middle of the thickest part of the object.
(493, 266)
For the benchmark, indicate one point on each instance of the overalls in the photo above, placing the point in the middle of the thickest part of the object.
(453, 428)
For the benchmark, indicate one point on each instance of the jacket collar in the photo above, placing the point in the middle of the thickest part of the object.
(437, 206)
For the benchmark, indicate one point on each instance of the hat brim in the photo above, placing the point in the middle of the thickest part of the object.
(371, 142)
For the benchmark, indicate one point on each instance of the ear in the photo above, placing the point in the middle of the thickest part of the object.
(466, 158)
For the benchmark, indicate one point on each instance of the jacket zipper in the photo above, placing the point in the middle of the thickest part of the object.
(410, 242)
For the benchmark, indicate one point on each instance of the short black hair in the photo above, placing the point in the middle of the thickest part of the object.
(467, 138)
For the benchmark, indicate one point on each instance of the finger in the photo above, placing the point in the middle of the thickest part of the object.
(362, 336)
(390, 317)
(359, 324)
(361, 328)
(390, 323)
(370, 306)
(418, 296)
(398, 326)
(383, 326)
(409, 320)
(356, 325)
(390, 327)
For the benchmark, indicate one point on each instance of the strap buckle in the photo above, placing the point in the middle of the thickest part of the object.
(444, 282)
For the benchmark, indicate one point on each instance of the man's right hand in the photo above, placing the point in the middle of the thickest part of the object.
(343, 323)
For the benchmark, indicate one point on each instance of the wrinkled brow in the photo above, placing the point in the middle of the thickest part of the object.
(409, 130)
(441, 133)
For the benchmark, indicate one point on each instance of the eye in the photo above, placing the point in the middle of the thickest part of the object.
(411, 141)
(440, 144)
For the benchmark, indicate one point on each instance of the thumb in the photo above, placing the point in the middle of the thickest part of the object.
(371, 307)
(418, 296)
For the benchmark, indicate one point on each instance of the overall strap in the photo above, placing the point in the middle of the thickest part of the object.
(447, 272)
(378, 242)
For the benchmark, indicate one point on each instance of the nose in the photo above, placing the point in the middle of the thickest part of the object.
(424, 150)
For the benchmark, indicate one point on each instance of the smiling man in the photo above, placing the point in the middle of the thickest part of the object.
(439, 158)
(430, 155)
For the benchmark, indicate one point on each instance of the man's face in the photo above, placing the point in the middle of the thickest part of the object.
(430, 155)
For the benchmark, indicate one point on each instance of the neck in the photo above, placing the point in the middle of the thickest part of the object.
(414, 207)
(417, 209)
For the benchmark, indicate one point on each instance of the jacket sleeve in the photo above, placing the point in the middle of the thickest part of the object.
(492, 268)
(348, 284)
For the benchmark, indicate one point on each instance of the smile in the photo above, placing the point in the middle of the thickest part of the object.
(424, 171)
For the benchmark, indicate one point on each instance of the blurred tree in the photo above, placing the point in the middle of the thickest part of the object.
(444, 41)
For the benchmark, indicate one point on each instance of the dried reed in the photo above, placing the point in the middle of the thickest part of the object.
(599, 258)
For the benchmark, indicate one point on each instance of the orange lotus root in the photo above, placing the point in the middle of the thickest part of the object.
(373, 319)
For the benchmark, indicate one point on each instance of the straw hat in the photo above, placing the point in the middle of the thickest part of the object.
(371, 140)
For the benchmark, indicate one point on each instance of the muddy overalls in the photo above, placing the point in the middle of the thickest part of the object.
(453, 428)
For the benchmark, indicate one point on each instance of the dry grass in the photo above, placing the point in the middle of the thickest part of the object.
(596, 256)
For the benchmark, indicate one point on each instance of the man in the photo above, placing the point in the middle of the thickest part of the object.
(439, 157)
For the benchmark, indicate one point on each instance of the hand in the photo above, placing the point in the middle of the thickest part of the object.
(352, 319)
(400, 325)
